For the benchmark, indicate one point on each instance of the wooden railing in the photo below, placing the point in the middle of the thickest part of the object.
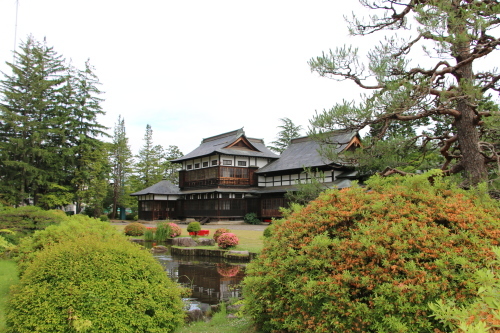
(215, 176)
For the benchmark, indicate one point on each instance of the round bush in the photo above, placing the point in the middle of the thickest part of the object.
(94, 286)
(194, 226)
(134, 229)
(73, 228)
(372, 259)
(227, 240)
(176, 230)
(251, 218)
(219, 232)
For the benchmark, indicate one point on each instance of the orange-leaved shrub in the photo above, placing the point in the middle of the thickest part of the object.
(219, 232)
(134, 229)
(372, 259)
(227, 240)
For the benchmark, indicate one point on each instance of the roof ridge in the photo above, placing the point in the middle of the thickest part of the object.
(238, 132)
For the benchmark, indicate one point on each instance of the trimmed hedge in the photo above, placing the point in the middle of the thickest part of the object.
(372, 259)
(92, 285)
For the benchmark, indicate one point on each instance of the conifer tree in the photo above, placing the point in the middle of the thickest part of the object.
(121, 166)
(30, 124)
(288, 132)
(149, 166)
(446, 91)
(172, 169)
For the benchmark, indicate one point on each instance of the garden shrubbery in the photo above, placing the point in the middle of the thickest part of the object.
(227, 240)
(176, 230)
(29, 218)
(251, 218)
(73, 228)
(194, 226)
(134, 229)
(92, 285)
(219, 232)
(373, 259)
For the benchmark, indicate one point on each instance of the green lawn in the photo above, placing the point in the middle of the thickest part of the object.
(8, 277)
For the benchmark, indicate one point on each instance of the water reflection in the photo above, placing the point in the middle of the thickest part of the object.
(211, 280)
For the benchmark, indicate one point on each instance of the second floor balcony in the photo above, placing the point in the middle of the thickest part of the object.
(217, 176)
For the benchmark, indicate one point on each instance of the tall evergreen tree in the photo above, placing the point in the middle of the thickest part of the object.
(121, 166)
(30, 125)
(172, 169)
(288, 132)
(149, 166)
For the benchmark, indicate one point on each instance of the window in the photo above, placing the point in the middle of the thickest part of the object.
(205, 164)
(238, 196)
(214, 162)
(197, 165)
(242, 163)
(227, 162)
(189, 166)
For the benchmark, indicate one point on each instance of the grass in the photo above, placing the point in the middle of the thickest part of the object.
(8, 277)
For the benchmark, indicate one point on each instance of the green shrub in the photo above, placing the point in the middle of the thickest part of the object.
(149, 234)
(194, 226)
(372, 259)
(163, 232)
(104, 218)
(251, 218)
(219, 232)
(134, 229)
(131, 217)
(94, 286)
(29, 218)
(73, 228)
(268, 231)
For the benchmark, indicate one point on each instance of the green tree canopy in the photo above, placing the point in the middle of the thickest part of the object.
(288, 132)
(445, 92)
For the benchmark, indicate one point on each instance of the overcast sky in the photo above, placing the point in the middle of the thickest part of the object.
(193, 69)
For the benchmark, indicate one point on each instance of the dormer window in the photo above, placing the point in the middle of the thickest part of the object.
(197, 165)
(205, 164)
(242, 163)
(214, 162)
(227, 162)
(189, 166)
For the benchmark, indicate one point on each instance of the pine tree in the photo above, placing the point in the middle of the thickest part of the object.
(121, 166)
(172, 169)
(445, 91)
(149, 166)
(30, 125)
(288, 132)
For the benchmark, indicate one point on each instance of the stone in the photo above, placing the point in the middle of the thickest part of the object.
(194, 315)
(205, 241)
(159, 249)
(184, 241)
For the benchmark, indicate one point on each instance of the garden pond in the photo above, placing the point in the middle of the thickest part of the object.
(211, 279)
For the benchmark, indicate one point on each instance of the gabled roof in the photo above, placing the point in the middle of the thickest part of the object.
(230, 143)
(303, 152)
(163, 187)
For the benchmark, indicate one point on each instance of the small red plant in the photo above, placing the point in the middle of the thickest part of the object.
(227, 240)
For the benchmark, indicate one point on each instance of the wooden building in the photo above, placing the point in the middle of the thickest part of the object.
(230, 175)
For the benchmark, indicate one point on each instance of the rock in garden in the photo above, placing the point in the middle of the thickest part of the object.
(159, 249)
(205, 241)
(184, 241)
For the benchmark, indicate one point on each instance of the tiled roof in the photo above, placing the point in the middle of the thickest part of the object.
(163, 187)
(217, 144)
(303, 152)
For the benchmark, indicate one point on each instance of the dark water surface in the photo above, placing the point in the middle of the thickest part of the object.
(211, 280)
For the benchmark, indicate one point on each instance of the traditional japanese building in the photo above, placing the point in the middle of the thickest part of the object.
(230, 175)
